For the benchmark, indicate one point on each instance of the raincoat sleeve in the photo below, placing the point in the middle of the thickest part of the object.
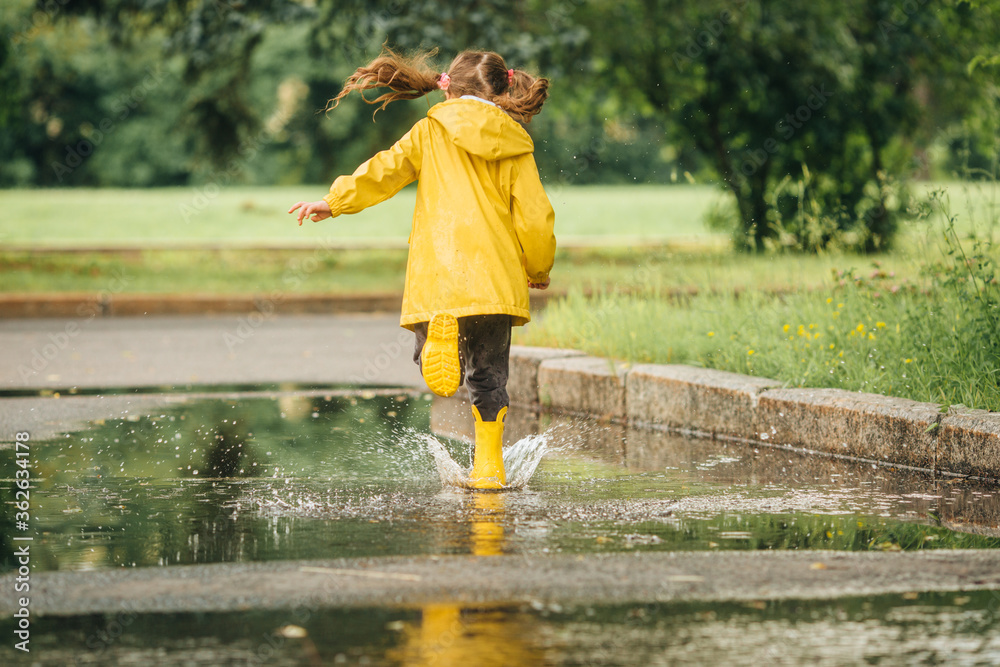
(379, 178)
(534, 222)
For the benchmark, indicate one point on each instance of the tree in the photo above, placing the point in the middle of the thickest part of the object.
(828, 95)
(214, 41)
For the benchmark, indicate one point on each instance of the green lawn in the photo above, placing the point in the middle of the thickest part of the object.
(350, 271)
(257, 216)
(621, 238)
(240, 216)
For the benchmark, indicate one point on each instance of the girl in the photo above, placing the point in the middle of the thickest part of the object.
(482, 227)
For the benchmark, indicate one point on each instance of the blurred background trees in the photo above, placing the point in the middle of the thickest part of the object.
(813, 116)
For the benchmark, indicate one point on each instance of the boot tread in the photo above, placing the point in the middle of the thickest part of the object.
(439, 360)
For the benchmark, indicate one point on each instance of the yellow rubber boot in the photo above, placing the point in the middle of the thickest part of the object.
(487, 461)
(439, 360)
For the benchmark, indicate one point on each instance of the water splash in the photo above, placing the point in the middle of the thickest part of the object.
(520, 461)
(522, 458)
(451, 473)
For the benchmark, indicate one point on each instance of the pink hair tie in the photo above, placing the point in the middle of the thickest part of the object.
(444, 81)
(510, 76)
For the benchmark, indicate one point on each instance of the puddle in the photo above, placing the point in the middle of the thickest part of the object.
(954, 629)
(302, 475)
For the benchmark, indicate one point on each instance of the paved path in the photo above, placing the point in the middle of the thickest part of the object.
(126, 352)
(248, 349)
(562, 578)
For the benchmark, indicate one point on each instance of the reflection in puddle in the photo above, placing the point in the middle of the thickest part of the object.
(296, 476)
(932, 628)
(447, 634)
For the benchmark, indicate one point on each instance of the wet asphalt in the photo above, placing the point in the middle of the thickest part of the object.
(205, 350)
(559, 578)
(60, 356)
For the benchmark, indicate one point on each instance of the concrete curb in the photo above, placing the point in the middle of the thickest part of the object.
(967, 441)
(720, 404)
(869, 426)
(112, 305)
(584, 385)
(85, 304)
(522, 381)
(685, 397)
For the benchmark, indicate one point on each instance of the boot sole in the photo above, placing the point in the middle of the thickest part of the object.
(439, 361)
(484, 486)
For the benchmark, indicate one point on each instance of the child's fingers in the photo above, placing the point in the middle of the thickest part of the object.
(292, 209)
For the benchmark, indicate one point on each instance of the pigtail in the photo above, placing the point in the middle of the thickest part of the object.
(524, 95)
(407, 77)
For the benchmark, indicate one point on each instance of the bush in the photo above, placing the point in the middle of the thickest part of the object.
(810, 214)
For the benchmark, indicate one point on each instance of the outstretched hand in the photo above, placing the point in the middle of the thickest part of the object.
(544, 285)
(315, 211)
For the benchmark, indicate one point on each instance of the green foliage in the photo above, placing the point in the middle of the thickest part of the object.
(763, 89)
(809, 214)
(965, 292)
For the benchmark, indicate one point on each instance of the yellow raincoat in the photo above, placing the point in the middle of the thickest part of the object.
(482, 226)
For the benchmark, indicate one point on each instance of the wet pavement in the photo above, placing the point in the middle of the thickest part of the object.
(205, 350)
(303, 474)
(472, 580)
(893, 629)
(269, 491)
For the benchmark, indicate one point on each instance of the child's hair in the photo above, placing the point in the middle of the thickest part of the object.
(480, 73)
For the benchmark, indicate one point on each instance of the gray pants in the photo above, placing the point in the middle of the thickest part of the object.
(484, 355)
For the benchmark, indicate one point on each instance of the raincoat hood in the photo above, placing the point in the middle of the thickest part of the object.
(481, 129)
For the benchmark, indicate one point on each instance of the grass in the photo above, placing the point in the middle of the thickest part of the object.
(655, 234)
(675, 267)
(909, 344)
(926, 333)
(245, 216)
(257, 216)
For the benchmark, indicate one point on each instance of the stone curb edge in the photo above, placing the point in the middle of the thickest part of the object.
(85, 304)
(871, 427)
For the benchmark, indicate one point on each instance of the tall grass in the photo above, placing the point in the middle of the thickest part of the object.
(932, 336)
